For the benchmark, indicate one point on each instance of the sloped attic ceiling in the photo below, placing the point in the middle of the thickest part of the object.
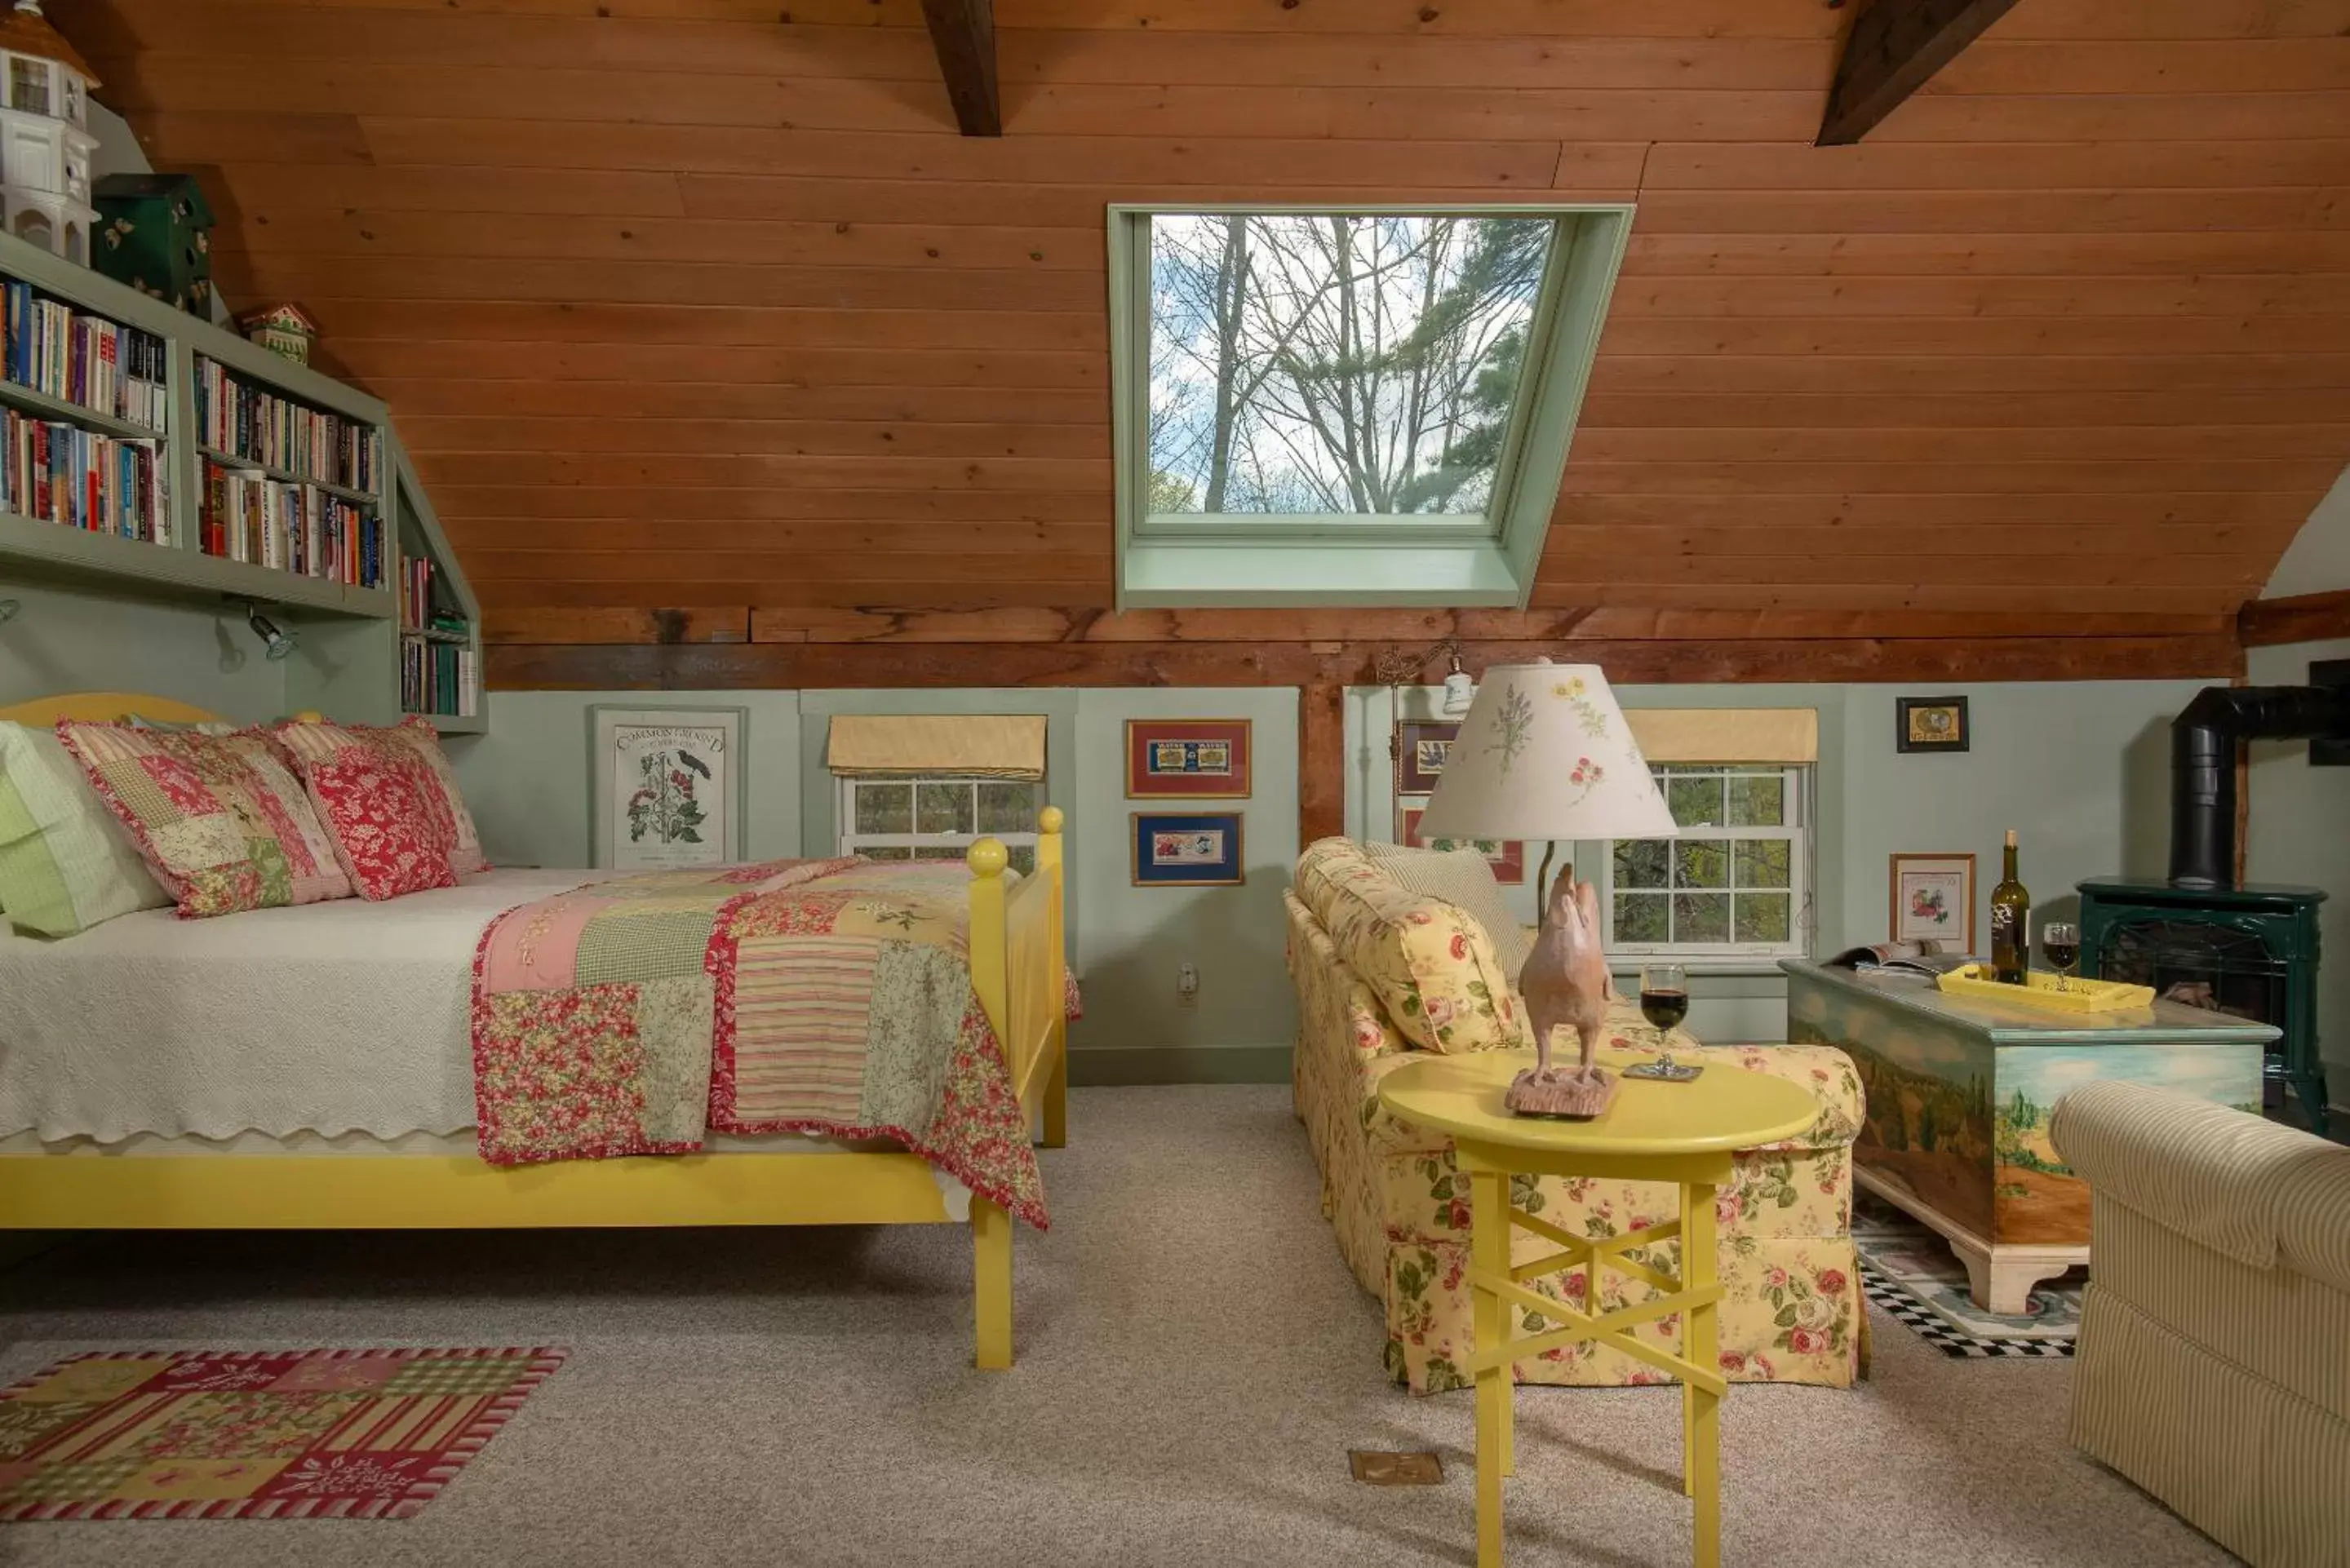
(705, 303)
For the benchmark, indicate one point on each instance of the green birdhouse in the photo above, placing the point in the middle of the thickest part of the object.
(154, 232)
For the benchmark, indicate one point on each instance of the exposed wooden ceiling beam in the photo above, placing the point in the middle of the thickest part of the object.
(963, 33)
(2297, 617)
(1895, 47)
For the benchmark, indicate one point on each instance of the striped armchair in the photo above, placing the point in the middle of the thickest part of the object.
(2214, 1360)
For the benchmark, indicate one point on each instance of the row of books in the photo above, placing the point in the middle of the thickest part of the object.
(246, 420)
(102, 365)
(415, 590)
(439, 678)
(63, 474)
(297, 528)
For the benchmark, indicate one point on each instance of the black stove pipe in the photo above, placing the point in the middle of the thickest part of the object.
(2203, 743)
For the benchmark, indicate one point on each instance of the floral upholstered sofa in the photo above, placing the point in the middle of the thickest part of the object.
(1383, 973)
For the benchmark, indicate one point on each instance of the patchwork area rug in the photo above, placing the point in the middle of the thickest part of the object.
(1913, 1275)
(293, 1434)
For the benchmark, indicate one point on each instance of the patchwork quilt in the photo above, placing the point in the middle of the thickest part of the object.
(828, 997)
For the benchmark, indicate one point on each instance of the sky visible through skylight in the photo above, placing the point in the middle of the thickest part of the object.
(1322, 363)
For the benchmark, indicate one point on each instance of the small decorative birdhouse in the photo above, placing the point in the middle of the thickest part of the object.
(154, 232)
(284, 329)
(45, 140)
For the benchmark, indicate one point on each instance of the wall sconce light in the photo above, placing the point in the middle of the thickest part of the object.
(277, 643)
(1459, 691)
(10, 609)
(1402, 667)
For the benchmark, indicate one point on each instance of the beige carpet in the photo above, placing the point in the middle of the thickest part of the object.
(1195, 1363)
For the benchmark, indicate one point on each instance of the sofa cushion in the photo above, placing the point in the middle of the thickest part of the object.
(1432, 968)
(1463, 878)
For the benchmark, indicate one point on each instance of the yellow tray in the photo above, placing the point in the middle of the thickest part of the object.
(2039, 990)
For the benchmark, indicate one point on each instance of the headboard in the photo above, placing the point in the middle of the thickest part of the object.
(104, 707)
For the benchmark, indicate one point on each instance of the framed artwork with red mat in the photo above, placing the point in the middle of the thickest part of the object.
(291, 1434)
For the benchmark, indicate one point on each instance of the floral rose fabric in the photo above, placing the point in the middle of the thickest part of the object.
(388, 834)
(411, 739)
(1431, 967)
(1790, 1310)
(219, 818)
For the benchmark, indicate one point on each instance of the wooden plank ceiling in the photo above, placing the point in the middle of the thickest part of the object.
(705, 304)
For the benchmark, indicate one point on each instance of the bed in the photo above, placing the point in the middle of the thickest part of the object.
(310, 1068)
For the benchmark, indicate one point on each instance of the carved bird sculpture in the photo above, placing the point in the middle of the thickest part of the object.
(1564, 983)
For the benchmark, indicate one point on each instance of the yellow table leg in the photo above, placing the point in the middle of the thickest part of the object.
(990, 1283)
(1702, 1411)
(1489, 1246)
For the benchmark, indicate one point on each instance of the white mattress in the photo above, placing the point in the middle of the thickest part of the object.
(347, 1017)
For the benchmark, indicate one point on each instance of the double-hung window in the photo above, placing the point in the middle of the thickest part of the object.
(1347, 405)
(939, 819)
(1734, 884)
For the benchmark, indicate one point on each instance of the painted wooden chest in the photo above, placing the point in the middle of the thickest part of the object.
(1959, 1092)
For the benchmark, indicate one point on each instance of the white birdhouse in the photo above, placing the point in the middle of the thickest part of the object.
(45, 140)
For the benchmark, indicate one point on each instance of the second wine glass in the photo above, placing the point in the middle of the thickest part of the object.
(2061, 940)
(1664, 1002)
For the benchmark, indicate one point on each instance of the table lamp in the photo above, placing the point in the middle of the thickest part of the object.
(1546, 753)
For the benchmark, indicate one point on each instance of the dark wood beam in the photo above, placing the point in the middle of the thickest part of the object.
(963, 34)
(800, 666)
(2298, 618)
(1895, 47)
(1321, 762)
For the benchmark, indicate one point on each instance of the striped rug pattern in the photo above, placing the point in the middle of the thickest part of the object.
(293, 1434)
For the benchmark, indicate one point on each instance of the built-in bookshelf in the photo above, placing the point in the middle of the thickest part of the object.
(147, 453)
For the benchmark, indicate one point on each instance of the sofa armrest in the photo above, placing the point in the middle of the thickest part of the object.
(2219, 1177)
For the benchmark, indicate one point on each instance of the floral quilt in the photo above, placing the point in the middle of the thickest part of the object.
(828, 997)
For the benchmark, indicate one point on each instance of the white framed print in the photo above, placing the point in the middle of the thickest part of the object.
(665, 789)
(1933, 897)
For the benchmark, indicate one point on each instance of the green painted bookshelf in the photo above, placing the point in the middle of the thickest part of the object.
(351, 644)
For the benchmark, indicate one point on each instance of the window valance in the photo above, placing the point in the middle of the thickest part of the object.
(1783, 735)
(957, 745)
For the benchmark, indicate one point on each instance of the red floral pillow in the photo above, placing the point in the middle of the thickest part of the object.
(380, 812)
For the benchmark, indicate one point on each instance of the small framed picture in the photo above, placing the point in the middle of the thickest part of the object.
(1933, 895)
(1506, 856)
(1931, 724)
(1187, 850)
(1192, 759)
(665, 786)
(1421, 751)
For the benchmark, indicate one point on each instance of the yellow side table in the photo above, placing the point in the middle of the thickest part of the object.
(1680, 1133)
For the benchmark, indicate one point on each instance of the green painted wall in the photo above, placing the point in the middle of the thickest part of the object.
(526, 782)
(2300, 832)
(68, 641)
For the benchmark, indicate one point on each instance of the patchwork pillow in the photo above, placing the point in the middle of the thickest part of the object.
(391, 831)
(219, 818)
(1432, 968)
(65, 864)
(317, 741)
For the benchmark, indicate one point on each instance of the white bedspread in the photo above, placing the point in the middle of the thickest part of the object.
(329, 1018)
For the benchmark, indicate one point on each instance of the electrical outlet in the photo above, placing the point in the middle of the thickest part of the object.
(1187, 987)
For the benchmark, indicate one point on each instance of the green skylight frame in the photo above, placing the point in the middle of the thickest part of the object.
(1177, 560)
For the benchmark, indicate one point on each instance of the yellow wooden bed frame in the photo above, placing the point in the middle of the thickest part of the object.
(1016, 968)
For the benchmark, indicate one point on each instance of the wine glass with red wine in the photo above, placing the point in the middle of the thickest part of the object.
(1664, 1002)
(2061, 940)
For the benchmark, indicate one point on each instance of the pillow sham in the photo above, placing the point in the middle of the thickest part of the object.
(317, 740)
(65, 864)
(219, 818)
(390, 831)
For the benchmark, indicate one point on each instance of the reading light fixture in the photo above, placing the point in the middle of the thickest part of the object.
(276, 642)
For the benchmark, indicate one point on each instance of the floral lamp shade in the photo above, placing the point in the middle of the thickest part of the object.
(1545, 753)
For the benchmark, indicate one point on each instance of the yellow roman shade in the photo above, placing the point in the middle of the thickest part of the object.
(1784, 736)
(964, 745)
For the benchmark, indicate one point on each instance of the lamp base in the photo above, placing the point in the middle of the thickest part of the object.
(1561, 1091)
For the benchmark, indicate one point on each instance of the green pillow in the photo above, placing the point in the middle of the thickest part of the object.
(66, 862)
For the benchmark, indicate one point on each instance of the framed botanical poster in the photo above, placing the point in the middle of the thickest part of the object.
(1420, 749)
(1193, 759)
(665, 788)
(1931, 724)
(1506, 856)
(1933, 895)
(1175, 850)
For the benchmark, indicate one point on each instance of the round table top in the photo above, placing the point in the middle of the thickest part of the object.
(1724, 1107)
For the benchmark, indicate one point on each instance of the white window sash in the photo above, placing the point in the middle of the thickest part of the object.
(1797, 834)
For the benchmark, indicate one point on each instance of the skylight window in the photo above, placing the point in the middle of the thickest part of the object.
(1347, 406)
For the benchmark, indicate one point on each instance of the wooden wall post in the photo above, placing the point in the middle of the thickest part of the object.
(1321, 761)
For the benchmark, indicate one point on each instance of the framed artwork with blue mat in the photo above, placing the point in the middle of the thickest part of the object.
(1188, 849)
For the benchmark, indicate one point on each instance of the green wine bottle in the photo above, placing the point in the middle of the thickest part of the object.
(2010, 922)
